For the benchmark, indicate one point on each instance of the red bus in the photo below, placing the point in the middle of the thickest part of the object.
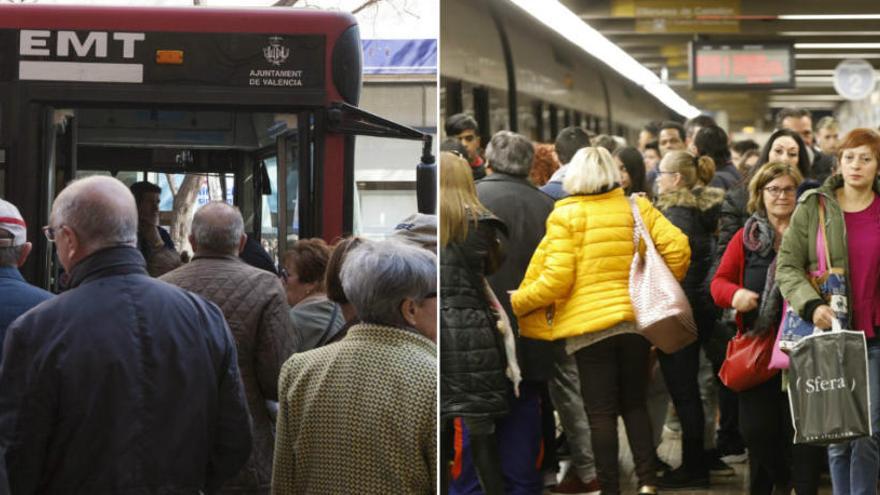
(264, 101)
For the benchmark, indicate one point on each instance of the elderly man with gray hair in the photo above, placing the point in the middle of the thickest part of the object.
(255, 305)
(524, 208)
(359, 415)
(123, 383)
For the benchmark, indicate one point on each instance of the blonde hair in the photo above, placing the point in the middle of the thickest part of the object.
(591, 170)
(764, 175)
(694, 171)
(458, 199)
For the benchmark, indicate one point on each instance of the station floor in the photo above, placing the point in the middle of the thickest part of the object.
(670, 451)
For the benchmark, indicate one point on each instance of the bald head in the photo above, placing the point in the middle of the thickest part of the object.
(217, 228)
(100, 210)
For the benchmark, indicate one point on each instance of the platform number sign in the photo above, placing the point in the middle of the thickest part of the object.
(854, 79)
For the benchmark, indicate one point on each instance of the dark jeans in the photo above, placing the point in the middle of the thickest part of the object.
(765, 423)
(614, 380)
(680, 372)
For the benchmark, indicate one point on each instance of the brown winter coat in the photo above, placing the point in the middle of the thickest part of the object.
(255, 306)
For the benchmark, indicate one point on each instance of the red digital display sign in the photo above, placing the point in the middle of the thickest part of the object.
(741, 66)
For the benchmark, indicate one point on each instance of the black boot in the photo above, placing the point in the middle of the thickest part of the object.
(487, 461)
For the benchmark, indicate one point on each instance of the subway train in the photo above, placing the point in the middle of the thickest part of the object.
(489, 48)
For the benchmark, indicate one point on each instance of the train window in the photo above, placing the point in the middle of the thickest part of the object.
(538, 113)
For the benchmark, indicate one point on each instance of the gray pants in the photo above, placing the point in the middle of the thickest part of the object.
(658, 403)
(565, 392)
(709, 395)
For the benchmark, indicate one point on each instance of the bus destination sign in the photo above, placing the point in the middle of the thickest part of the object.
(719, 65)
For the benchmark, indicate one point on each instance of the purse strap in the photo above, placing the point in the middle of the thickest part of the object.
(639, 229)
(822, 252)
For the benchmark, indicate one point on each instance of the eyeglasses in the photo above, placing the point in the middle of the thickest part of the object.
(779, 191)
(50, 232)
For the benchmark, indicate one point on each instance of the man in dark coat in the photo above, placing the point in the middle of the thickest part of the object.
(508, 194)
(123, 383)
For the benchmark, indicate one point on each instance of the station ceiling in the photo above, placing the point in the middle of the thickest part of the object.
(657, 33)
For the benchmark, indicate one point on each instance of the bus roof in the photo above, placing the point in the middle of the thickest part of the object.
(176, 19)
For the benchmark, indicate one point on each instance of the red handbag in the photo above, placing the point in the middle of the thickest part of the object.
(746, 364)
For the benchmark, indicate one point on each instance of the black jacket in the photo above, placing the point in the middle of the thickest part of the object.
(696, 212)
(726, 177)
(123, 384)
(822, 167)
(732, 217)
(472, 360)
(524, 210)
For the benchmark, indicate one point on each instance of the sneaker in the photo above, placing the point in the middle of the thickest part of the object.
(572, 484)
(718, 467)
(679, 479)
(734, 456)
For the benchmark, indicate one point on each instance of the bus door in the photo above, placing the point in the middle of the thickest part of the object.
(246, 158)
(57, 138)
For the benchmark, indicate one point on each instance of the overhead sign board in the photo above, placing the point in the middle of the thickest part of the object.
(681, 16)
(720, 65)
(854, 79)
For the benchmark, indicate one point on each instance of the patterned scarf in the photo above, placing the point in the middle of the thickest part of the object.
(759, 236)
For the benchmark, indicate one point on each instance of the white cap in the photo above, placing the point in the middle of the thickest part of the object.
(12, 222)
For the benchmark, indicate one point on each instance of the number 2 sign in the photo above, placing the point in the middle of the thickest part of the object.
(854, 79)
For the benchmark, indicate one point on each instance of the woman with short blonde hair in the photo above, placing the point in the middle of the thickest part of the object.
(591, 170)
(580, 276)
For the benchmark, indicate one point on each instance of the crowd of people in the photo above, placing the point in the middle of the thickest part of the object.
(537, 241)
(223, 374)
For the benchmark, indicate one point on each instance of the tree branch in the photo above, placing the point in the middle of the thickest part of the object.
(364, 5)
(171, 185)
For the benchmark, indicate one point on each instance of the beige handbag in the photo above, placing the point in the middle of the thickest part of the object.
(663, 314)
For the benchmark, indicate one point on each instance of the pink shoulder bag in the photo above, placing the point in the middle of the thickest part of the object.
(663, 314)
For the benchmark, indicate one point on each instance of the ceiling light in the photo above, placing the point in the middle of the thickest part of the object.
(828, 33)
(817, 56)
(565, 22)
(788, 97)
(837, 46)
(833, 17)
(814, 72)
(827, 78)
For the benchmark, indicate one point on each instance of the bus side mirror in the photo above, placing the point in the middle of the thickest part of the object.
(426, 180)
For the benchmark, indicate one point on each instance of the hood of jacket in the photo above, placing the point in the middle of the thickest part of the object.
(701, 198)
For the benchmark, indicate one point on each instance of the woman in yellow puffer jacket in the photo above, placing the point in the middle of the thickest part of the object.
(578, 281)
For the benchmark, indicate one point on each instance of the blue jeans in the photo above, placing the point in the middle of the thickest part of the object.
(854, 465)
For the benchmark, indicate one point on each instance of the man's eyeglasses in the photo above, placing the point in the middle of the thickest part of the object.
(776, 192)
(50, 232)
